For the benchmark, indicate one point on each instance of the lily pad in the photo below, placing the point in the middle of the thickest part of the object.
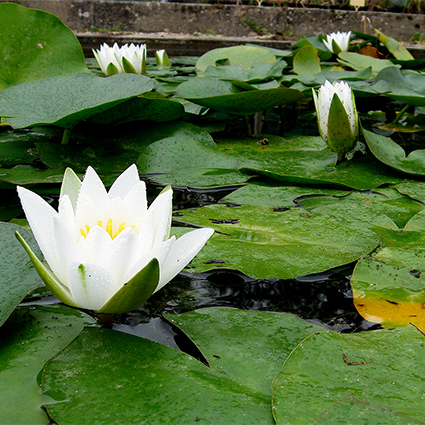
(35, 45)
(227, 97)
(357, 61)
(393, 155)
(18, 276)
(64, 101)
(389, 288)
(383, 368)
(299, 160)
(236, 55)
(28, 339)
(394, 47)
(79, 381)
(307, 61)
(267, 243)
(277, 195)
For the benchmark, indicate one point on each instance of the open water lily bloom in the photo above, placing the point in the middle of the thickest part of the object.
(337, 116)
(129, 59)
(337, 41)
(107, 251)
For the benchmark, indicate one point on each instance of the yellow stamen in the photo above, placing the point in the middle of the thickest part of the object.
(109, 228)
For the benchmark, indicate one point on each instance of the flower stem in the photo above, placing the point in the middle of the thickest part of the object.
(65, 136)
(105, 319)
(400, 115)
(341, 158)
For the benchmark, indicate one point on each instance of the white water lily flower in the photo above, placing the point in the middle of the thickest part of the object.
(107, 251)
(126, 59)
(337, 41)
(337, 116)
(162, 58)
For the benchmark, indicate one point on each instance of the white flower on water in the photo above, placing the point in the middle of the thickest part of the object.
(107, 251)
(126, 59)
(337, 41)
(162, 58)
(337, 116)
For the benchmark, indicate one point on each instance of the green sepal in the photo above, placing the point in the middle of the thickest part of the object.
(340, 136)
(127, 66)
(136, 291)
(50, 280)
(164, 62)
(111, 69)
(335, 48)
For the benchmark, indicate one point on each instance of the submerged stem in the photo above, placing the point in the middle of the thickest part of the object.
(65, 136)
(400, 115)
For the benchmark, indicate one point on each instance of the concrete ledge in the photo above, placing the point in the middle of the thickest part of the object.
(226, 20)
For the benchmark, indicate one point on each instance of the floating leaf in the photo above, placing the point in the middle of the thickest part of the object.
(266, 243)
(28, 339)
(383, 368)
(357, 61)
(307, 61)
(168, 386)
(64, 101)
(18, 276)
(35, 45)
(236, 55)
(227, 97)
(394, 47)
(393, 155)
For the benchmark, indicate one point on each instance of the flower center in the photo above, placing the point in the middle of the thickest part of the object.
(110, 227)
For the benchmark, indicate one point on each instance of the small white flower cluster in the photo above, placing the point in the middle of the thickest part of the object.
(129, 59)
(337, 41)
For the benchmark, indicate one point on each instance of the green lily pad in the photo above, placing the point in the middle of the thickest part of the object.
(64, 101)
(394, 47)
(414, 189)
(393, 155)
(27, 174)
(29, 338)
(277, 195)
(383, 368)
(35, 45)
(18, 276)
(300, 160)
(383, 208)
(361, 412)
(357, 61)
(389, 287)
(267, 243)
(409, 88)
(307, 61)
(258, 72)
(163, 385)
(141, 108)
(224, 96)
(236, 55)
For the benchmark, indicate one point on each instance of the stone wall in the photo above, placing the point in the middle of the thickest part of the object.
(227, 20)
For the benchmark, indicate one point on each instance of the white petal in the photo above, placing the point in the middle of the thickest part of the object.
(40, 218)
(136, 203)
(124, 183)
(66, 214)
(95, 245)
(159, 252)
(160, 210)
(67, 249)
(93, 187)
(90, 285)
(183, 250)
(121, 255)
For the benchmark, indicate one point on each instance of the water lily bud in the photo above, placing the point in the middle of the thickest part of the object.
(162, 58)
(107, 251)
(337, 116)
(125, 59)
(337, 41)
